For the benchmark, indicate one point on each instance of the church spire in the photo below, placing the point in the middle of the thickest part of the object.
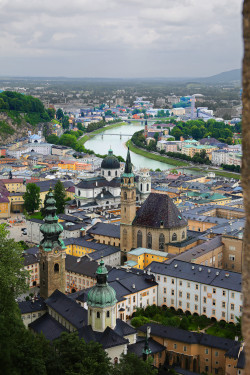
(128, 165)
(51, 229)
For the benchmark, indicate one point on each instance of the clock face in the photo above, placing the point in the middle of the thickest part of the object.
(56, 251)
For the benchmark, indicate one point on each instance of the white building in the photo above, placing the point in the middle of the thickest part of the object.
(220, 157)
(199, 289)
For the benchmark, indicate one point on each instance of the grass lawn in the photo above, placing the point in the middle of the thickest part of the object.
(227, 174)
(88, 136)
(36, 215)
(149, 155)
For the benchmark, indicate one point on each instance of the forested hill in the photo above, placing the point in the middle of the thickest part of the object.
(20, 113)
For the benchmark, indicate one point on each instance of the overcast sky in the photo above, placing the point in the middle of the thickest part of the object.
(119, 38)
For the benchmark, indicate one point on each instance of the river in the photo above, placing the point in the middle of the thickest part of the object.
(102, 142)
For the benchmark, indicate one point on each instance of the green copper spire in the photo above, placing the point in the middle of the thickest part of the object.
(128, 165)
(101, 295)
(51, 229)
(146, 350)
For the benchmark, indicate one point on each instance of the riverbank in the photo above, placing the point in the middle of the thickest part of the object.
(178, 163)
(156, 157)
(88, 136)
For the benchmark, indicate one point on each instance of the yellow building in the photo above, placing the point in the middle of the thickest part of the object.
(142, 257)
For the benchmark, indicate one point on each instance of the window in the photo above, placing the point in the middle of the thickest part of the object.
(180, 294)
(232, 316)
(184, 348)
(165, 290)
(180, 303)
(196, 297)
(223, 314)
(109, 173)
(232, 257)
(108, 314)
(139, 238)
(196, 286)
(98, 315)
(172, 292)
(188, 285)
(216, 354)
(172, 281)
(180, 283)
(164, 299)
(147, 187)
(204, 310)
(204, 299)
(214, 290)
(205, 288)
(133, 299)
(224, 293)
(158, 278)
(183, 235)
(223, 304)
(174, 237)
(213, 312)
(175, 346)
(206, 351)
(188, 295)
(56, 267)
(231, 247)
(165, 279)
(232, 294)
(232, 306)
(149, 240)
(196, 307)
(161, 241)
(188, 305)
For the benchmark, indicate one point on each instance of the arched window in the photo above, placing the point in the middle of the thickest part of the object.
(79, 193)
(161, 241)
(147, 187)
(139, 238)
(56, 267)
(141, 187)
(125, 196)
(183, 235)
(174, 237)
(43, 266)
(109, 173)
(149, 240)
(108, 314)
(103, 173)
(116, 173)
(125, 235)
(98, 315)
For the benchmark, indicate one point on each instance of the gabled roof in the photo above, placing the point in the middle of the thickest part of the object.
(157, 211)
(138, 347)
(32, 306)
(48, 326)
(67, 308)
(109, 338)
(104, 229)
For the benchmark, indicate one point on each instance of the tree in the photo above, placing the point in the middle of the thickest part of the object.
(65, 122)
(59, 114)
(32, 197)
(59, 195)
(71, 355)
(51, 112)
(68, 140)
(130, 364)
(53, 139)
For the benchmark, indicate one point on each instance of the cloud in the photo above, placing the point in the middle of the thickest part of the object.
(133, 37)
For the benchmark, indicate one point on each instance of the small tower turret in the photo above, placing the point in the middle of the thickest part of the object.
(102, 302)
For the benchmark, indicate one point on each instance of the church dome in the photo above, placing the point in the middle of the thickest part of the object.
(110, 162)
(101, 295)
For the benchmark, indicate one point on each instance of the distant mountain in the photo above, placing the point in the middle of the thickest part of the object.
(224, 77)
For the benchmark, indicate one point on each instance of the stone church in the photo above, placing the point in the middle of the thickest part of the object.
(105, 190)
(155, 224)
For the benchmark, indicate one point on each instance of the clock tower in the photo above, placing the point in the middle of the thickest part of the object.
(51, 251)
(128, 206)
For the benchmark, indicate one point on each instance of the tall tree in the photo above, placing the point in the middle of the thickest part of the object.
(59, 114)
(32, 197)
(130, 364)
(60, 195)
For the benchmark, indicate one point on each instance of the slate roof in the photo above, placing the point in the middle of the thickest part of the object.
(29, 259)
(104, 229)
(68, 309)
(138, 347)
(108, 339)
(94, 182)
(197, 273)
(241, 361)
(82, 265)
(159, 209)
(49, 326)
(124, 329)
(30, 306)
(182, 335)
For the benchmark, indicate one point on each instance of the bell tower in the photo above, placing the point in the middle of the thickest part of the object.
(52, 251)
(128, 205)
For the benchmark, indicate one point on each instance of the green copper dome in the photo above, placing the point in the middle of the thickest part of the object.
(110, 162)
(101, 295)
(51, 229)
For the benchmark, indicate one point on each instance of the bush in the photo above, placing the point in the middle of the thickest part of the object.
(139, 321)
